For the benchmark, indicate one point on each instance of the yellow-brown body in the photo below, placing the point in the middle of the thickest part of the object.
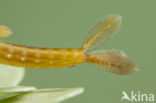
(33, 57)
(17, 55)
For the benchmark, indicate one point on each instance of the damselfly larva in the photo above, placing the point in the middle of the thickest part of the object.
(33, 57)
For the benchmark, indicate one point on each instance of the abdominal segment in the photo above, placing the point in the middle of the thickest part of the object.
(32, 57)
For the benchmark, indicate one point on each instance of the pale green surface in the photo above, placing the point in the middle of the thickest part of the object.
(29, 95)
(55, 23)
(16, 89)
(10, 76)
(11, 93)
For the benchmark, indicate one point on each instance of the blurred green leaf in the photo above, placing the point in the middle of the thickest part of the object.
(43, 96)
(14, 90)
(10, 75)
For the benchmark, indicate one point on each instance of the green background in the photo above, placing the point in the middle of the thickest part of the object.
(58, 23)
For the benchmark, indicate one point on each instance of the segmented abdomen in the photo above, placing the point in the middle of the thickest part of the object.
(32, 57)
